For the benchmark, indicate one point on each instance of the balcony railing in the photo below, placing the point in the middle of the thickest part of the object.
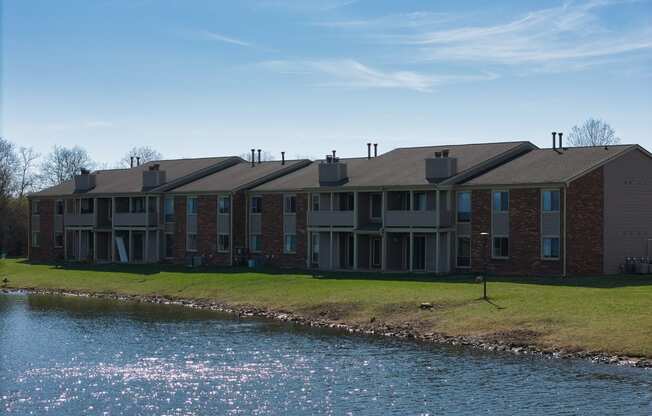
(134, 219)
(79, 220)
(330, 218)
(417, 219)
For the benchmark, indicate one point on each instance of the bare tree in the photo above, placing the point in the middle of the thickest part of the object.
(63, 163)
(145, 153)
(594, 132)
(8, 164)
(27, 178)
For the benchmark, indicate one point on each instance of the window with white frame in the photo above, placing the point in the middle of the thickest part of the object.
(290, 244)
(464, 252)
(290, 204)
(36, 207)
(224, 205)
(223, 242)
(464, 206)
(419, 201)
(551, 201)
(192, 205)
(255, 243)
(256, 204)
(500, 247)
(58, 239)
(550, 247)
(168, 210)
(501, 201)
(192, 242)
(36, 239)
(314, 256)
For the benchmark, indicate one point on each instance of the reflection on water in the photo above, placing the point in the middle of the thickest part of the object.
(75, 356)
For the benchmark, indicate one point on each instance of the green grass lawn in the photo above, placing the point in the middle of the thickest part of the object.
(611, 314)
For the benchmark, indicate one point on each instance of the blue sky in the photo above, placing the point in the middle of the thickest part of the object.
(200, 78)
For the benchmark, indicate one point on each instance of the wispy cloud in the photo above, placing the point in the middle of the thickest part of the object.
(353, 74)
(304, 6)
(225, 39)
(572, 32)
(418, 19)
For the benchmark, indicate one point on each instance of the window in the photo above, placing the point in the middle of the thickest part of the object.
(346, 201)
(36, 207)
(168, 209)
(224, 205)
(315, 248)
(86, 206)
(59, 207)
(419, 201)
(256, 243)
(70, 206)
(316, 200)
(223, 242)
(551, 201)
(192, 242)
(192, 205)
(256, 204)
(464, 252)
(58, 239)
(376, 206)
(464, 207)
(290, 204)
(551, 248)
(501, 247)
(169, 245)
(36, 237)
(290, 245)
(501, 201)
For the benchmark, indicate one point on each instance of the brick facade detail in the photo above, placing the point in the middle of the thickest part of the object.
(46, 250)
(524, 235)
(272, 232)
(586, 224)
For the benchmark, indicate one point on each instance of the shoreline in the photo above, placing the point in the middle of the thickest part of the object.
(371, 329)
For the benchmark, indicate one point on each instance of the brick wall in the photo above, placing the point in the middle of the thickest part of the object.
(46, 250)
(585, 224)
(272, 232)
(207, 231)
(525, 235)
(239, 212)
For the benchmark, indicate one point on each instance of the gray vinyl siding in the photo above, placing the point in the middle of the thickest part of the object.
(627, 209)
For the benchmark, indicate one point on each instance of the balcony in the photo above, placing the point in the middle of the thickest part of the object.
(79, 220)
(417, 219)
(134, 219)
(330, 218)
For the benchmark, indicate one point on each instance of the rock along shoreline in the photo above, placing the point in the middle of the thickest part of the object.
(373, 328)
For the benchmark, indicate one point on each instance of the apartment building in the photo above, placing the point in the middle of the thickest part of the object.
(508, 208)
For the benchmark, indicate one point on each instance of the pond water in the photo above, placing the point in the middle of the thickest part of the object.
(72, 356)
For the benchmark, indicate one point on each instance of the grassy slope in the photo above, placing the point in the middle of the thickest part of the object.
(612, 314)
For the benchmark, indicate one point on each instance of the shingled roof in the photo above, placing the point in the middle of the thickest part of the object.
(117, 181)
(402, 166)
(548, 166)
(240, 176)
